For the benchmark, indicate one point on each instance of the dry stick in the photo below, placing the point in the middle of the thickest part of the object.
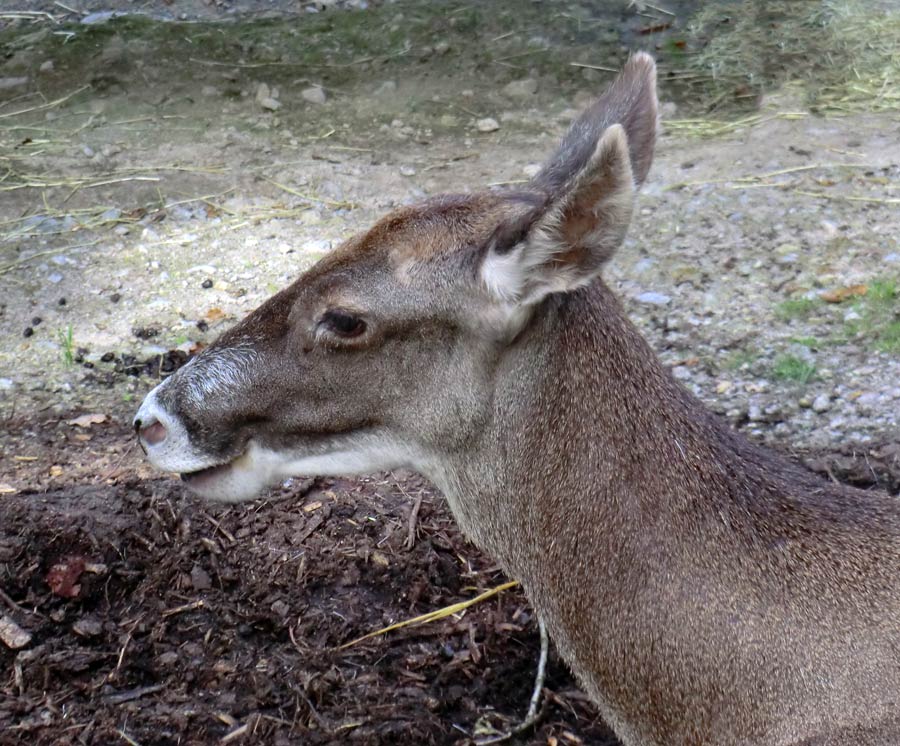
(594, 67)
(531, 717)
(25, 259)
(434, 615)
(128, 739)
(48, 105)
(413, 517)
(308, 198)
(186, 607)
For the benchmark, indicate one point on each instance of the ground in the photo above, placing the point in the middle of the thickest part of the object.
(159, 180)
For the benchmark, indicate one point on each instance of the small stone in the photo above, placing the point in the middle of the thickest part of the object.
(822, 403)
(263, 91)
(532, 170)
(488, 124)
(28, 332)
(88, 151)
(270, 104)
(281, 608)
(654, 299)
(387, 88)
(200, 579)
(61, 302)
(36, 321)
(167, 658)
(407, 171)
(12, 634)
(524, 88)
(115, 298)
(314, 94)
(87, 627)
(202, 325)
(8, 84)
(46, 66)
(209, 90)
(107, 357)
(441, 48)
(206, 284)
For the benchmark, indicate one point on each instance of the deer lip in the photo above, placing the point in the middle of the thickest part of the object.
(210, 472)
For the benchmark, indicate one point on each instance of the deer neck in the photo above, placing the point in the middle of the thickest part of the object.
(588, 436)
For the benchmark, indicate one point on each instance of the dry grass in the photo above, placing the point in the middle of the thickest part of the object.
(840, 56)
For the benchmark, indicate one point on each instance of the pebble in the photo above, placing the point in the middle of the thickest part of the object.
(12, 634)
(200, 579)
(46, 66)
(407, 171)
(8, 84)
(654, 299)
(388, 87)
(87, 627)
(822, 403)
(28, 332)
(488, 124)
(206, 284)
(88, 151)
(532, 170)
(314, 94)
(524, 88)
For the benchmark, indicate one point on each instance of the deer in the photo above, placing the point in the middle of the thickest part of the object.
(703, 589)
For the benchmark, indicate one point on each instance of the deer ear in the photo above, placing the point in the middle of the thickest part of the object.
(568, 241)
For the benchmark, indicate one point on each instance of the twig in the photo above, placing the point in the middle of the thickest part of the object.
(433, 615)
(533, 714)
(128, 739)
(413, 517)
(308, 198)
(594, 67)
(186, 607)
(132, 694)
(48, 105)
(9, 602)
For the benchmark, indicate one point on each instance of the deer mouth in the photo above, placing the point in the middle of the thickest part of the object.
(210, 474)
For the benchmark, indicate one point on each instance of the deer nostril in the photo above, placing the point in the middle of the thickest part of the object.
(153, 434)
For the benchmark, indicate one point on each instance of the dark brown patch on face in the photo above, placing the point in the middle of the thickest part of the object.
(438, 227)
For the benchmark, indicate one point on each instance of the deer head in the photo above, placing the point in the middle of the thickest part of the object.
(385, 353)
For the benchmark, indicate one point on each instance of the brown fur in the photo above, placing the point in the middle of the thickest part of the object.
(705, 591)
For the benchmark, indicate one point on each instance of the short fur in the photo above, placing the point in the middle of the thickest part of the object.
(706, 591)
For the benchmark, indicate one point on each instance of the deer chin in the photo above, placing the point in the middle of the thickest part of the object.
(258, 467)
(241, 478)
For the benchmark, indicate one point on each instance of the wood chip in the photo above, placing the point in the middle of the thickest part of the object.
(839, 295)
(86, 420)
(12, 634)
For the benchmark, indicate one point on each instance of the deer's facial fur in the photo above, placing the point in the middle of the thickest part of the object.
(425, 303)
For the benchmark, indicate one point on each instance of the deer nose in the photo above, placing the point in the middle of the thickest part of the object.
(152, 434)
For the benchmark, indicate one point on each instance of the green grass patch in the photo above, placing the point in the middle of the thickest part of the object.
(810, 342)
(67, 346)
(792, 368)
(737, 359)
(796, 308)
(878, 321)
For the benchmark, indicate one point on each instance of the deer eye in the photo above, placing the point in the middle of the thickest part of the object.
(343, 324)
